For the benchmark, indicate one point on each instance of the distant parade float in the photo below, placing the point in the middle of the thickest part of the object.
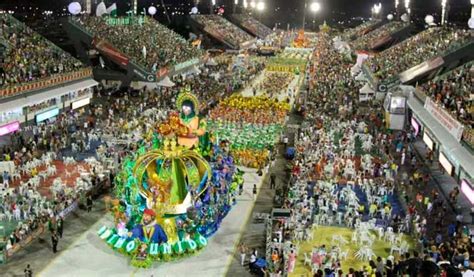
(173, 194)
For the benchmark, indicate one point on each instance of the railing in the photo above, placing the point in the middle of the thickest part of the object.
(45, 83)
(468, 132)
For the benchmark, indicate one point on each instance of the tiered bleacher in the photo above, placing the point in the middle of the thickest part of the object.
(150, 44)
(253, 26)
(417, 49)
(364, 42)
(360, 30)
(454, 92)
(31, 62)
(223, 30)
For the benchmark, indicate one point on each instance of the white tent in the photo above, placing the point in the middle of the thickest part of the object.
(211, 62)
(366, 89)
(361, 77)
(194, 70)
(166, 82)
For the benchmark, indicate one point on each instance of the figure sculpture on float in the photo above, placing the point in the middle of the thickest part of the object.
(188, 105)
(149, 231)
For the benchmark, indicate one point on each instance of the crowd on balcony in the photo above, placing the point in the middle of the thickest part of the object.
(454, 92)
(150, 45)
(28, 57)
(422, 47)
(223, 29)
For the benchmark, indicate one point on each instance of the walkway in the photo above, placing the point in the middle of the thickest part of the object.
(445, 183)
(39, 253)
(254, 235)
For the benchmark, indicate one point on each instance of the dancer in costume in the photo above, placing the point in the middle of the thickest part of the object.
(149, 231)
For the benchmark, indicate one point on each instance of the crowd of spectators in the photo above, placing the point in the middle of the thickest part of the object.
(442, 243)
(149, 44)
(106, 122)
(254, 26)
(223, 29)
(417, 49)
(28, 57)
(352, 33)
(454, 92)
(365, 42)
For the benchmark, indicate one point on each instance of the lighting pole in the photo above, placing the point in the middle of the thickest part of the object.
(314, 8)
(236, 2)
(88, 6)
(444, 4)
(304, 13)
(376, 10)
(260, 8)
(397, 7)
(212, 3)
(407, 8)
(472, 8)
(135, 7)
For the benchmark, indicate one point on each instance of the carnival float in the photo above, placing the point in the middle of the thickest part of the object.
(174, 192)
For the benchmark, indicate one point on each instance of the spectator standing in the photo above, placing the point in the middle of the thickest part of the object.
(254, 192)
(243, 253)
(272, 181)
(54, 241)
(28, 271)
(89, 203)
(60, 226)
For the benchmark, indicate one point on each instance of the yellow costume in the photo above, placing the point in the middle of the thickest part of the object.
(196, 127)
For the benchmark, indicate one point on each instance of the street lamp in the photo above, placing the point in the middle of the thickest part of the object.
(376, 10)
(245, 4)
(260, 6)
(407, 6)
(315, 7)
(236, 3)
(252, 4)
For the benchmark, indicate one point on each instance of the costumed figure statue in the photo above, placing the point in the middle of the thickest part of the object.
(148, 231)
(188, 105)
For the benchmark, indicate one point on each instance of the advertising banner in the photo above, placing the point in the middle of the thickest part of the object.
(9, 128)
(107, 49)
(454, 127)
(46, 115)
(80, 103)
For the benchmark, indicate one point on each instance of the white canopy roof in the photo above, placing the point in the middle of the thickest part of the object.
(361, 77)
(211, 62)
(166, 82)
(366, 89)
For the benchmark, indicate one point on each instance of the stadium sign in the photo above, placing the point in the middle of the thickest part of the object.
(454, 127)
(123, 21)
(186, 64)
(165, 250)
